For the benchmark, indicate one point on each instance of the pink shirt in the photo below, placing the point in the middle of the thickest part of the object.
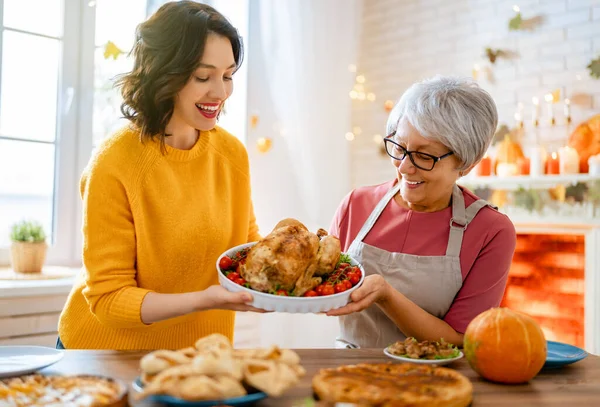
(485, 257)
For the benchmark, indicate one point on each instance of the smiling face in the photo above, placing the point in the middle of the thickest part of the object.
(420, 190)
(200, 101)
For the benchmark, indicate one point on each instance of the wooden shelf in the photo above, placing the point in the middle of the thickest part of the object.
(526, 181)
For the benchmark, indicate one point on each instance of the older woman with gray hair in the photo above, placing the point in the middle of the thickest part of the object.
(435, 254)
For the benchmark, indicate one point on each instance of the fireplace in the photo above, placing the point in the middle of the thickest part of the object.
(547, 282)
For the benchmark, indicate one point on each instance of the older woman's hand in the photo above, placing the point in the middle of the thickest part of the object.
(373, 290)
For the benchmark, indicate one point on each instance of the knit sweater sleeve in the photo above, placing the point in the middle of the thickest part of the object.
(109, 249)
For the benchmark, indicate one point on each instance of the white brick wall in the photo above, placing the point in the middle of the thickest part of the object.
(404, 41)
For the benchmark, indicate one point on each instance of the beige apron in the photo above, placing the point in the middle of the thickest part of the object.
(431, 282)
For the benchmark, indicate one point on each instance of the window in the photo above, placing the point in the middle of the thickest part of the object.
(57, 102)
(36, 119)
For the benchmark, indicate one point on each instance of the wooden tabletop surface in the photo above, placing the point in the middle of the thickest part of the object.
(573, 385)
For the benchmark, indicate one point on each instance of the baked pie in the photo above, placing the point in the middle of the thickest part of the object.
(37, 390)
(393, 385)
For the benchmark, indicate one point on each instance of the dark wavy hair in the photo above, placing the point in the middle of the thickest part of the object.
(167, 51)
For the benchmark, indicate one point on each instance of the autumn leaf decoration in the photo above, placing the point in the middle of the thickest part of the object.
(594, 68)
(111, 50)
(515, 22)
(493, 54)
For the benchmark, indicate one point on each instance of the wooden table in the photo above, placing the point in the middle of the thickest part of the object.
(574, 385)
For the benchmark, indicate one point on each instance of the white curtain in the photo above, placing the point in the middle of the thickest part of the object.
(300, 51)
(298, 84)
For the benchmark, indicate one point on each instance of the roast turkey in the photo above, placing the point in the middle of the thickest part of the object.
(290, 258)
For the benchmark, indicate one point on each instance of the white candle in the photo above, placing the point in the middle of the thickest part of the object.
(536, 111)
(519, 115)
(567, 110)
(568, 159)
(550, 100)
(537, 161)
(594, 164)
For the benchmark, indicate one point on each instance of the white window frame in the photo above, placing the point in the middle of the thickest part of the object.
(73, 131)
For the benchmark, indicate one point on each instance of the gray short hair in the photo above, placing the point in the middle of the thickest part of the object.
(453, 111)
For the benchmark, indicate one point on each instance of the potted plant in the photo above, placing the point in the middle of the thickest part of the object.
(28, 250)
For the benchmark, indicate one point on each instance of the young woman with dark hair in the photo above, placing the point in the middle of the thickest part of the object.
(164, 196)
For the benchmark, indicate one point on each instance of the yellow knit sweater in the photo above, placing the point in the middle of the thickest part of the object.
(156, 222)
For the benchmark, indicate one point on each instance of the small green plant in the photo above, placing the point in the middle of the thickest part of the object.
(28, 231)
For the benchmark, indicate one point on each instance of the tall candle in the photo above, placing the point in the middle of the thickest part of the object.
(537, 161)
(535, 118)
(568, 160)
(553, 164)
(550, 100)
(519, 115)
(567, 111)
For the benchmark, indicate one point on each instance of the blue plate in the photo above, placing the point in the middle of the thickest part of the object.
(247, 400)
(562, 354)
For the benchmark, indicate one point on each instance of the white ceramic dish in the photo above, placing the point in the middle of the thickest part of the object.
(438, 362)
(20, 360)
(296, 305)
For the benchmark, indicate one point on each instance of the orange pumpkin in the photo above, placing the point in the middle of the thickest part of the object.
(505, 346)
(586, 140)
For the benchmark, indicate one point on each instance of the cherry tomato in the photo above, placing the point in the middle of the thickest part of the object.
(339, 287)
(347, 284)
(354, 278)
(239, 281)
(225, 263)
(357, 271)
(319, 289)
(328, 289)
(233, 275)
(281, 292)
(311, 293)
(343, 266)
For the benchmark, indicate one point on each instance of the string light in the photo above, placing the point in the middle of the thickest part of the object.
(263, 144)
(378, 139)
(371, 97)
(360, 79)
(388, 105)
(516, 8)
(357, 130)
(349, 136)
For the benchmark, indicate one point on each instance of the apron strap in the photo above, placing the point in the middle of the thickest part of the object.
(366, 228)
(461, 218)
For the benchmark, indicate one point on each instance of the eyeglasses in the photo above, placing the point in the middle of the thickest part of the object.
(423, 161)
